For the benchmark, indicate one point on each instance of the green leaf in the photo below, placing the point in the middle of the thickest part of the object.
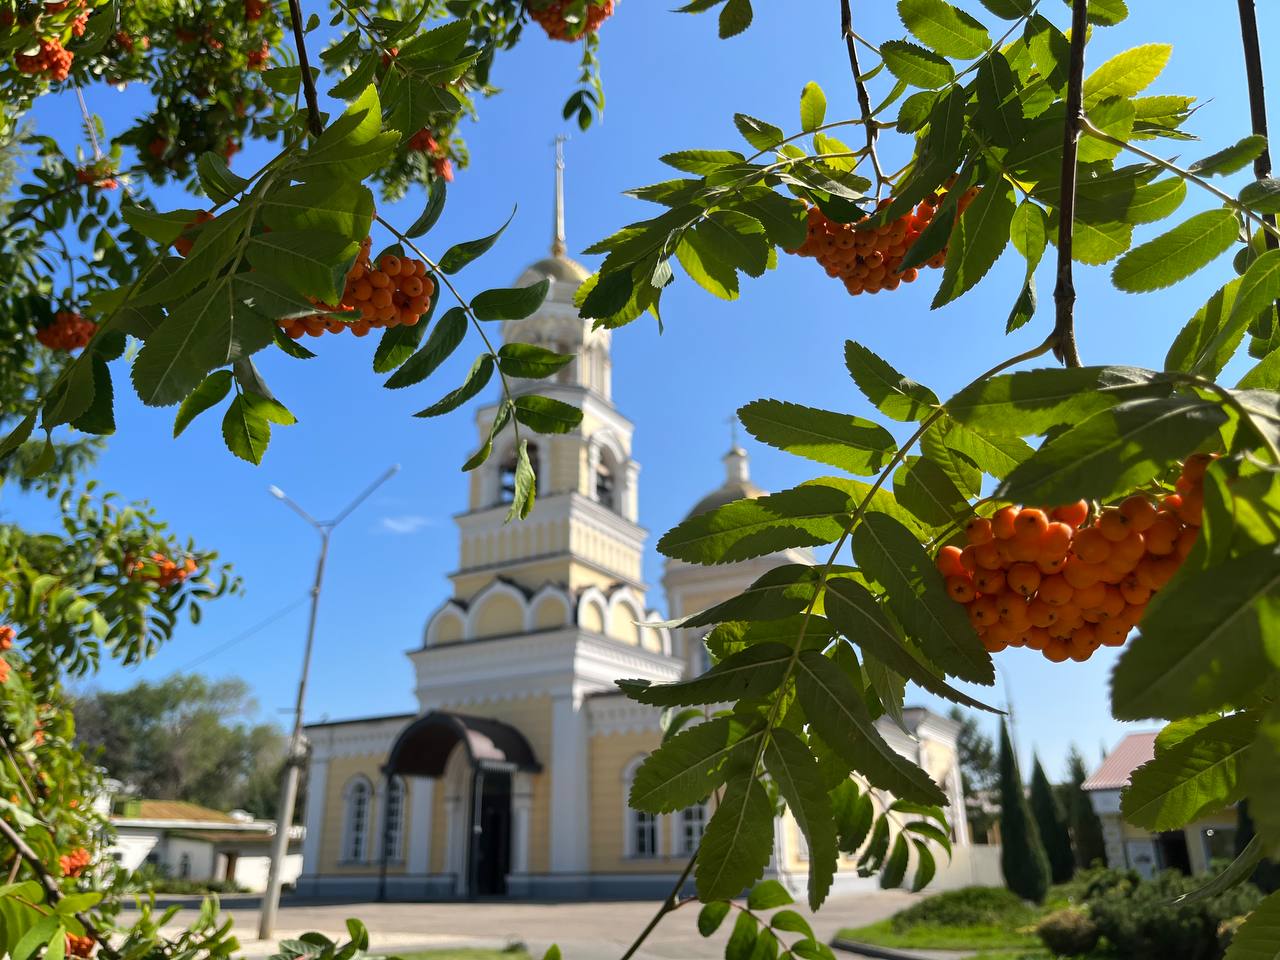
(889, 391)
(460, 254)
(1029, 231)
(768, 894)
(1126, 74)
(689, 766)
(742, 939)
(546, 415)
(916, 65)
(888, 552)
(525, 484)
(964, 473)
(758, 133)
(431, 213)
(755, 672)
(792, 922)
(738, 840)
(924, 488)
(1264, 376)
(324, 204)
(215, 243)
(944, 28)
(1207, 640)
(163, 228)
(803, 516)
(216, 179)
(1114, 451)
(1097, 243)
(999, 102)
(1258, 938)
(813, 106)
(1231, 159)
(1176, 255)
(204, 332)
(1262, 196)
(1259, 289)
(926, 866)
(1202, 345)
(779, 593)
(996, 455)
(268, 297)
(514, 303)
(702, 162)
(208, 394)
(1030, 402)
(835, 709)
(711, 916)
(735, 17)
(353, 146)
(1010, 9)
(99, 417)
(895, 867)
(477, 379)
(530, 362)
(796, 774)
(1194, 777)
(1260, 777)
(977, 240)
(444, 339)
(245, 430)
(314, 264)
(851, 443)
(854, 812)
(705, 268)
(398, 343)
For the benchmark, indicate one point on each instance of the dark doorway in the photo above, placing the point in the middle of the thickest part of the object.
(491, 834)
(1173, 851)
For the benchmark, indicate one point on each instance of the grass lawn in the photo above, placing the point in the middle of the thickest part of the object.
(465, 953)
(941, 937)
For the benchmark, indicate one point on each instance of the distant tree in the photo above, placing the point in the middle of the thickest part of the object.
(1052, 824)
(1022, 856)
(979, 768)
(1266, 876)
(1086, 828)
(185, 738)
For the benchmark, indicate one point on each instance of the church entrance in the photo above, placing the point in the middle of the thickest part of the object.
(491, 833)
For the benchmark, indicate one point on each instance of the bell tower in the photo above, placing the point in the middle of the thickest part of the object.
(583, 531)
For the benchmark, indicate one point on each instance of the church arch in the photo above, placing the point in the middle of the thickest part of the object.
(548, 609)
(592, 610)
(498, 610)
(447, 625)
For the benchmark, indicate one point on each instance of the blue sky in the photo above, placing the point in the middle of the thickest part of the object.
(670, 84)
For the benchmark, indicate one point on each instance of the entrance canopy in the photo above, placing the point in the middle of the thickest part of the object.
(423, 747)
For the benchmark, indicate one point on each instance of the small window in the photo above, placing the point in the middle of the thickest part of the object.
(644, 834)
(693, 820)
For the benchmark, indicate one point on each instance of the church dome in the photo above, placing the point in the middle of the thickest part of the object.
(737, 484)
(558, 269)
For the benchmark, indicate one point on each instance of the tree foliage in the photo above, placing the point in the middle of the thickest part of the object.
(1022, 855)
(1052, 824)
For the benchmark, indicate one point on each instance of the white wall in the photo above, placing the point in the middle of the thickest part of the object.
(200, 852)
(976, 865)
(132, 846)
(251, 871)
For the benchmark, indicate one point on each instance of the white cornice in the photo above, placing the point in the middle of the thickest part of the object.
(355, 739)
(610, 715)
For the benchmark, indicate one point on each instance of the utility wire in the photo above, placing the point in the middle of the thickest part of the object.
(240, 638)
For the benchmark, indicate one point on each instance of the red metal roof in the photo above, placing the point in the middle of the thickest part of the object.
(1130, 753)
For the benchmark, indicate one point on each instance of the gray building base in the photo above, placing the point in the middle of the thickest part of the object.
(533, 886)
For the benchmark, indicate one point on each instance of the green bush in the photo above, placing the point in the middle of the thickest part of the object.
(1068, 933)
(967, 907)
(1141, 921)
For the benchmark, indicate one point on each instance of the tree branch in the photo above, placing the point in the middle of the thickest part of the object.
(864, 101)
(669, 904)
(51, 885)
(1257, 106)
(1064, 293)
(314, 123)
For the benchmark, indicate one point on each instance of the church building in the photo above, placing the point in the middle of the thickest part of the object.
(511, 778)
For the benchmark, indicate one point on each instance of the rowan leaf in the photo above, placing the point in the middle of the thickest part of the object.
(689, 766)
(890, 392)
(444, 339)
(1126, 74)
(944, 28)
(477, 379)
(1202, 344)
(461, 254)
(999, 102)
(245, 430)
(1262, 196)
(547, 415)
(1232, 158)
(514, 303)
(1258, 938)
(738, 841)
(915, 65)
(1260, 777)
(979, 237)
(813, 106)
(531, 362)
(208, 394)
(1176, 255)
(753, 673)
(793, 769)
(861, 447)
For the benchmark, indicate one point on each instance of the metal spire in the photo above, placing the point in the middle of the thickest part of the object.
(558, 247)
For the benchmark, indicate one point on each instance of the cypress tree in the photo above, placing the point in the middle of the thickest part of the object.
(1086, 828)
(1052, 825)
(1022, 856)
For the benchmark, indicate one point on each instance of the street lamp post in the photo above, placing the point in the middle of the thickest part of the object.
(294, 757)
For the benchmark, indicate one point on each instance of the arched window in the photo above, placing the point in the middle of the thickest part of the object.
(692, 821)
(606, 483)
(640, 836)
(507, 473)
(355, 837)
(395, 819)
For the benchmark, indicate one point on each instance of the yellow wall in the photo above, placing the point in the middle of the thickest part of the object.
(449, 629)
(341, 770)
(609, 757)
(550, 612)
(498, 616)
(622, 624)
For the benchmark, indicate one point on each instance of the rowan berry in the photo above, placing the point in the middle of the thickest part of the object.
(960, 589)
(948, 562)
(1004, 523)
(989, 581)
(1072, 514)
(1024, 578)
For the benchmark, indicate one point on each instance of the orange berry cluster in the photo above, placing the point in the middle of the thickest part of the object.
(253, 9)
(73, 863)
(51, 58)
(97, 176)
(7, 633)
(553, 18)
(1055, 582)
(869, 260)
(160, 570)
(185, 241)
(79, 946)
(424, 142)
(394, 293)
(258, 58)
(69, 331)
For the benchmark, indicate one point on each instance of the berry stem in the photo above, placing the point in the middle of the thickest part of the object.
(1064, 293)
(864, 101)
(314, 123)
(671, 902)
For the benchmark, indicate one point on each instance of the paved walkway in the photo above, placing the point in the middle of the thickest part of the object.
(584, 931)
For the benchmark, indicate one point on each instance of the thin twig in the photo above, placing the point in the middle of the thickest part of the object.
(1257, 106)
(1064, 293)
(864, 101)
(314, 123)
(1226, 199)
(50, 884)
(670, 903)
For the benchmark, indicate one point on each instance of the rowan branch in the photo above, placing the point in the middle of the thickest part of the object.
(672, 902)
(1257, 106)
(1064, 293)
(864, 100)
(314, 123)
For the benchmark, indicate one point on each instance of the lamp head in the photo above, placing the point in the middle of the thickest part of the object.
(275, 492)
